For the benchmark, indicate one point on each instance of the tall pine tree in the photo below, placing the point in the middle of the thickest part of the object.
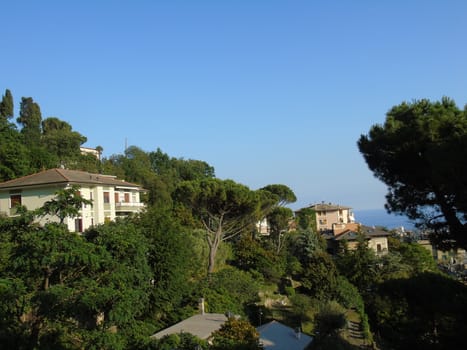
(6, 107)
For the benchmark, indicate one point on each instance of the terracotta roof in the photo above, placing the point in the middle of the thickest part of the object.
(348, 235)
(64, 176)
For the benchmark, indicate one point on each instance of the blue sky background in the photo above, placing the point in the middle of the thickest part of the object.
(264, 91)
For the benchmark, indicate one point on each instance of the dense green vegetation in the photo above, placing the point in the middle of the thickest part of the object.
(120, 282)
(420, 152)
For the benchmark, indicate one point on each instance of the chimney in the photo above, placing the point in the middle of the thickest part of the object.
(201, 305)
(298, 332)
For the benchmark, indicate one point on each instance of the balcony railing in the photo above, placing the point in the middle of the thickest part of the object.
(129, 206)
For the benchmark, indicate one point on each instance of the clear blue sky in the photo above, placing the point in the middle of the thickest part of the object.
(265, 91)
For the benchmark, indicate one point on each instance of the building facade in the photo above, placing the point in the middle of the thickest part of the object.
(110, 197)
(327, 216)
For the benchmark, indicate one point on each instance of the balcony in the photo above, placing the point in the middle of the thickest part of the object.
(129, 207)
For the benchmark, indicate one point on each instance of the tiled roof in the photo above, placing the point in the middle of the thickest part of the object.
(64, 176)
(201, 325)
(367, 231)
(328, 207)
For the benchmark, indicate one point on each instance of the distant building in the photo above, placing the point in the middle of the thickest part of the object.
(110, 197)
(262, 227)
(377, 238)
(453, 257)
(337, 224)
(93, 151)
(327, 216)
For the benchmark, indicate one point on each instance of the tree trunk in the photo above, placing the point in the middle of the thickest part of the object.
(213, 242)
(46, 280)
(212, 259)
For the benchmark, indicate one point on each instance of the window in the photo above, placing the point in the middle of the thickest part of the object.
(378, 248)
(15, 200)
(106, 197)
(117, 197)
(127, 197)
(80, 195)
(78, 225)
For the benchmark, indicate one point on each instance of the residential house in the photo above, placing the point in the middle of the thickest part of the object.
(377, 238)
(455, 257)
(337, 224)
(92, 151)
(329, 215)
(110, 196)
(277, 336)
(201, 325)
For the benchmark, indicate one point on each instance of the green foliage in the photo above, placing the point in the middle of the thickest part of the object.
(229, 290)
(418, 154)
(319, 277)
(124, 285)
(250, 255)
(417, 258)
(236, 335)
(181, 341)
(223, 207)
(30, 118)
(284, 194)
(67, 203)
(6, 106)
(278, 220)
(329, 319)
(306, 244)
(405, 260)
(426, 311)
(359, 266)
(59, 139)
(63, 290)
(14, 155)
(172, 261)
(306, 219)
(348, 296)
(301, 306)
(179, 168)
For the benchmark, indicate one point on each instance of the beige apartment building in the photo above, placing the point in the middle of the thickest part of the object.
(110, 196)
(330, 216)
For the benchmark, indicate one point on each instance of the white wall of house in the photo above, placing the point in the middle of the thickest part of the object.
(30, 198)
(102, 210)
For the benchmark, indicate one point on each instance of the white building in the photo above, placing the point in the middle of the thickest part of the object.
(110, 197)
